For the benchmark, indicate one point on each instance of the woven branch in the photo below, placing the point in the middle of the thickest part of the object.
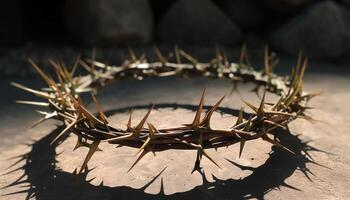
(64, 103)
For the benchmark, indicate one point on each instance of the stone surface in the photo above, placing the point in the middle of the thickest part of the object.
(197, 22)
(47, 169)
(321, 30)
(283, 6)
(109, 22)
(249, 15)
(11, 23)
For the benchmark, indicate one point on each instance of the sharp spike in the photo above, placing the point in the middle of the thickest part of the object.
(274, 124)
(276, 105)
(266, 61)
(93, 58)
(36, 92)
(132, 55)
(100, 112)
(255, 109)
(40, 72)
(241, 146)
(260, 111)
(47, 116)
(274, 142)
(86, 113)
(303, 68)
(75, 65)
(128, 126)
(177, 55)
(211, 159)
(160, 55)
(79, 143)
(196, 120)
(312, 95)
(240, 117)
(92, 149)
(206, 120)
(188, 57)
(242, 54)
(35, 103)
(64, 131)
(248, 125)
(150, 137)
(144, 152)
(138, 128)
(298, 65)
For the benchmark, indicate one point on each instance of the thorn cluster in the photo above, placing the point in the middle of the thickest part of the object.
(63, 103)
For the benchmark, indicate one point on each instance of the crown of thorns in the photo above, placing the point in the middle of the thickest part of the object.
(63, 103)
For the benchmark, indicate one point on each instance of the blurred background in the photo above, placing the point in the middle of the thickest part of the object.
(60, 29)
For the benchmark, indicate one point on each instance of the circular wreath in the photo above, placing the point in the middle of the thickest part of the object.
(64, 103)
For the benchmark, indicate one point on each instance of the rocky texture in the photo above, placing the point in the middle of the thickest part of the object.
(197, 22)
(11, 23)
(249, 15)
(284, 6)
(109, 22)
(321, 30)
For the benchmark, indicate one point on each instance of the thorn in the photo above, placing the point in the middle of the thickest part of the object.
(248, 125)
(47, 116)
(160, 55)
(255, 109)
(137, 130)
(92, 119)
(92, 150)
(313, 94)
(196, 120)
(144, 152)
(132, 55)
(211, 159)
(40, 72)
(64, 131)
(241, 146)
(260, 112)
(266, 61)
(100, 112)
(79, 143)
(240, 117)
(188, 57)
(149, 138)
(274, 142)
(206, 120)
(35, 103)
(242, 55)
(177, 55)
(197, 163)
(256, 90)
(36, 92)
(75, 65)
(93, 58)
(128, 126)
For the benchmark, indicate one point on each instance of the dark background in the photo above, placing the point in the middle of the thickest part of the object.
(61, 29)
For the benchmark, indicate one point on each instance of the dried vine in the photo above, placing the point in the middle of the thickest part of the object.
(64, 103)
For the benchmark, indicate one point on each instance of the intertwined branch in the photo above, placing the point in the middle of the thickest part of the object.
(64, 103)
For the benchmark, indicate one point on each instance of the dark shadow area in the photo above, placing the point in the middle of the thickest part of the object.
(43, 180)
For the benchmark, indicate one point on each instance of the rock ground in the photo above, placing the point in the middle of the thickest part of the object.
(277, 174)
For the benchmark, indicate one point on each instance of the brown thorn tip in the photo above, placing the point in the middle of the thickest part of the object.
(206, 119)
(144, 152)
(63, 132)
(142, 122)
(196, 120)
(241, 146)
(255, 109)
